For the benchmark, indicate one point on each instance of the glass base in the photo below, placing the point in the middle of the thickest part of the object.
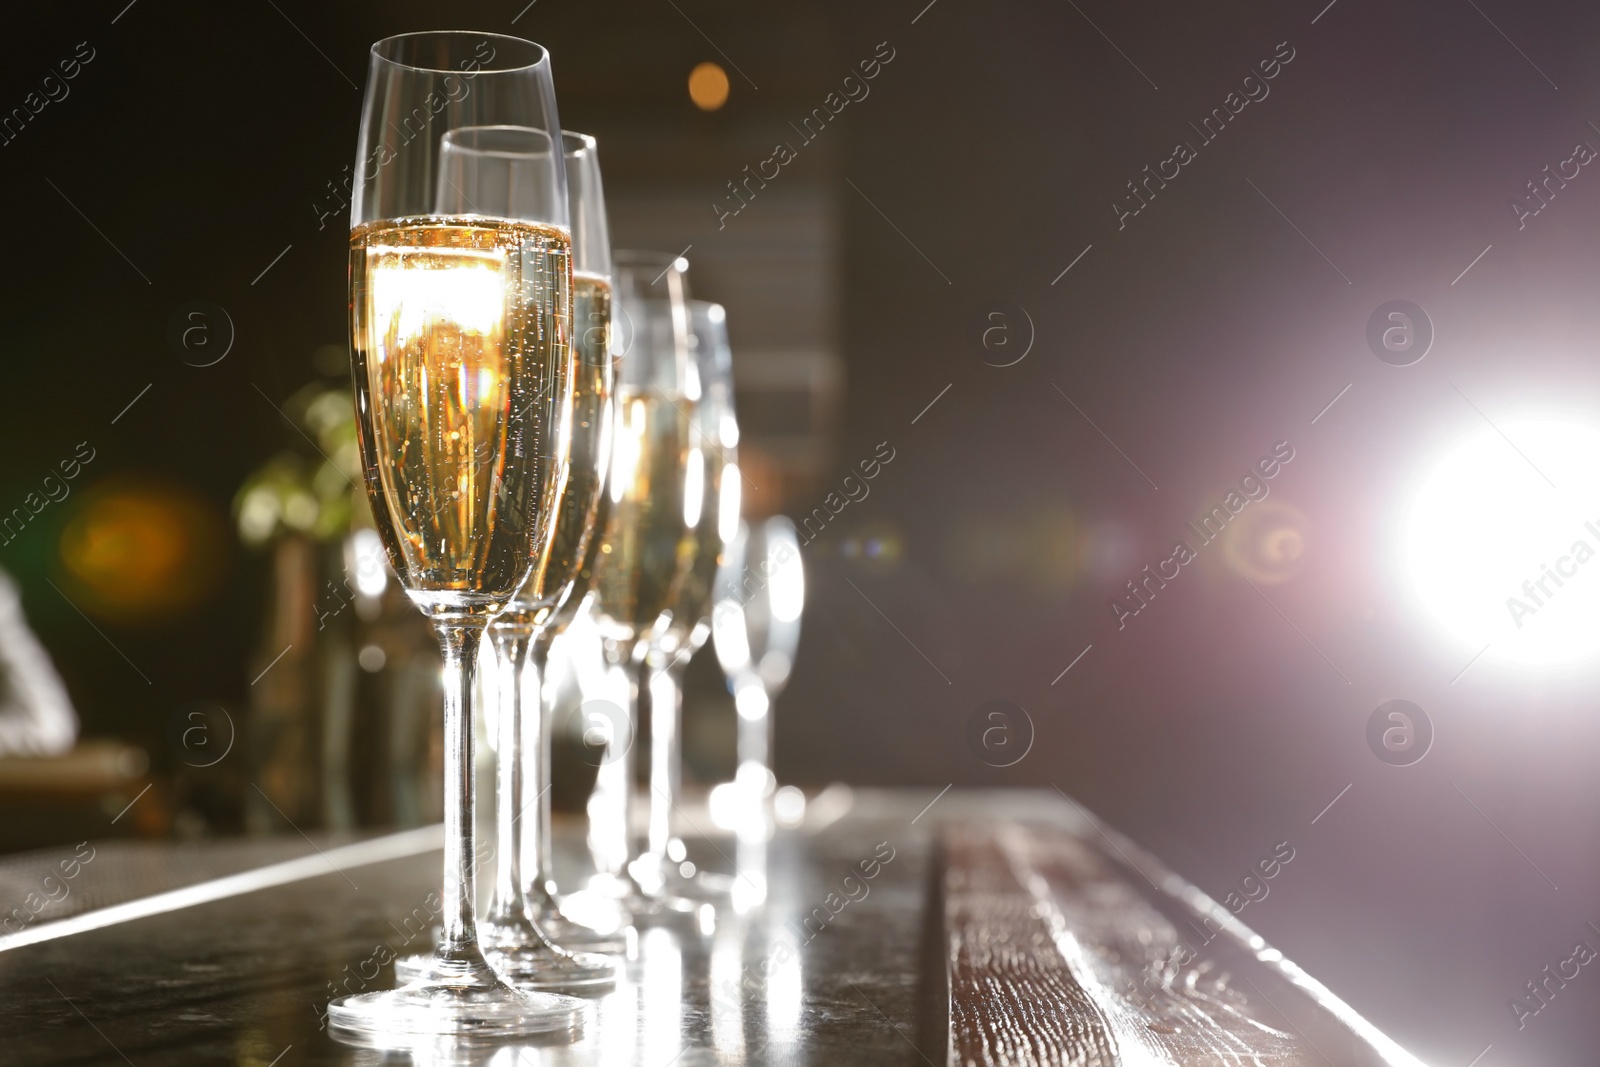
(570, 934)
(597, 906)
(456, 999)
(445, 1050)
(645, 908)
(607, 895)
(684, 881)
(599, 925)
(532, 966)
(537, 967)
(685, 892)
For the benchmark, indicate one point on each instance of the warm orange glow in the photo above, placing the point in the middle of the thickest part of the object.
(138, 552)
(708, 86)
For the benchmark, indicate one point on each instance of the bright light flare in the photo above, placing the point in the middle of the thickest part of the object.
(694, 488)
(787, 575)
(409, 298)
(1501, 538)
(628, 445)
(789, 805)
(727, 629)
(750, 700)
(365, 561)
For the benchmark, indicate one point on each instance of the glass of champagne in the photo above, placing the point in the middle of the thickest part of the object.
(521, 948)
(648, 544)
(711, 514)
(461, 319)
(576, 546)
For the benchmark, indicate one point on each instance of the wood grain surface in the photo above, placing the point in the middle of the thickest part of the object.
(1075, 948)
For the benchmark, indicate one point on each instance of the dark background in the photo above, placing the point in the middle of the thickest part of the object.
(1195, 338)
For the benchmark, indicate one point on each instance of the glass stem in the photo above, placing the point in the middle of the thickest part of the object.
(638, 691)
(755, 737)
(539, 882)
(459, 640)
(511, 641)
(666, 717)
(609, 837)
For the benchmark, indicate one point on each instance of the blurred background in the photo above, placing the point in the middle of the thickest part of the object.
(987, 260)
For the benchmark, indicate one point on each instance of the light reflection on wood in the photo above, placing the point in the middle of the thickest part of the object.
(1059, 951)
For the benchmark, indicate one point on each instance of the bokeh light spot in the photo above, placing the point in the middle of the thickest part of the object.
(137, 552)
(1267, 542)
(708, 86)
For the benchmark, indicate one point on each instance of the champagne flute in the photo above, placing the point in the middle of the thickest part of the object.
(495, 158)
(576, 549)
(712, 498)
(760, 594)
(648, 545)
(461, 318)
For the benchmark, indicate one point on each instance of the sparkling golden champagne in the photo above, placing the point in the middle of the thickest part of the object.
(693, 600)
(646, 550)
(461, 339)
(576, 534)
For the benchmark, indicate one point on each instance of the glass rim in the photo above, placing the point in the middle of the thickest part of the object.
(497, 153)
(542, 58)
(574, 143)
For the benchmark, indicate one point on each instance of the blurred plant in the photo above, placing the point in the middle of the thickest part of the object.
(296, 493)
(339, 728)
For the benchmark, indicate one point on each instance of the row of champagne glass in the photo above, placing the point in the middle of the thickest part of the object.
(542, 429)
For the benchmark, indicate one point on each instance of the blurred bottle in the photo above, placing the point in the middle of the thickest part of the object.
(344, 689)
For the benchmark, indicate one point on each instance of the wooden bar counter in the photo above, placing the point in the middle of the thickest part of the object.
(985, 928)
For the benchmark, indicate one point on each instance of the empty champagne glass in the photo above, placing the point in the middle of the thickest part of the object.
(461, 319)
(486, 160)
(755, 619)
(711, 514)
